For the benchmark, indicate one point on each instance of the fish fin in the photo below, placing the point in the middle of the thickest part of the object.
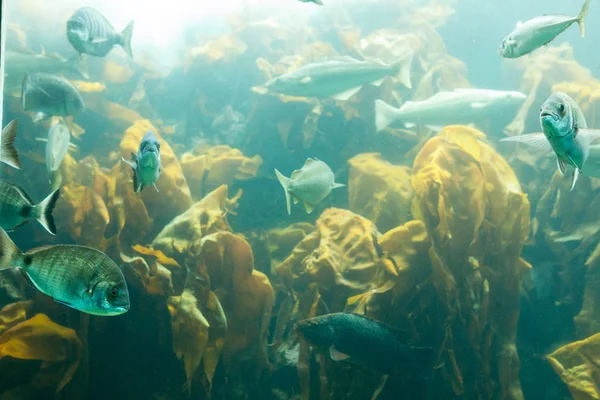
(562, 166)
(519, 23)
(39, 116)
(73, 147)
(126, 38)
(403, 69)
(305, 80)
(154, 184)
(378, 82)
(45, 209)
(410, 125)
(385, 115)
(581, 17)
(259, 89)
(28, 279)
(537, 140)
(337, 185)
(584, 138)
(478, 105)
(575, 176)
(337, 355)
(9, 252)
(14, 228)
(137, 186)
(343, 96)
(309, 207)
(296, 200)
(285, 182)
(132, 163)
(64, 303)
(41, 139)
(8, 152)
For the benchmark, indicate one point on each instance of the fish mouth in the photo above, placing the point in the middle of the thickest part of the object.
(546, 114)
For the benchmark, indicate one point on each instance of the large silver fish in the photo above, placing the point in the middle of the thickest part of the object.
(50, 95)
(461, 106)
(339, 79)
(146, 164)
(310, 184)
(565, 133)
(80, 277)
(17, 208)
(8, 152)
(539, 31)
(90, 32)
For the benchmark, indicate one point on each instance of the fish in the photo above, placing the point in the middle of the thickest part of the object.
(564, 132)
(49, 95)
(79, 277)
(17, 208)
(317, 2)
(8, 152)
(146, 164)
(58, 144)
(310, 184)
(89, 32)
(338, 79)
(539, 31)
(460, 106)
(361, 340)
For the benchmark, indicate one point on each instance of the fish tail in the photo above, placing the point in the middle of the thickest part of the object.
(44, 211)
(385, 115)
(581, 17)
(10, 255)
(126, 38)
(285, 182)
(403, 68)
(8, 152)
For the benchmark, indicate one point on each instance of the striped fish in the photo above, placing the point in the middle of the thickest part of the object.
(79, 277)
(17, 208)
(8, 152)
(90, 33)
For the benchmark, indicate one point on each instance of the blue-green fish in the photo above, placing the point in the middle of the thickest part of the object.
(565, 132)
(17, 208)
(80, 277)
(146, 164)
(8, 152)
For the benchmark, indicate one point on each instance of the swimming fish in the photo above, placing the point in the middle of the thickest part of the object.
(146, 164)
(50, 95)
(539, 31)
(57, 146)
(310, 184)
(8, 152)
(565, 133)
(361, 340)
(79, 277)
(17, 208)
(339, 79)
(90, 32)
(460, 106)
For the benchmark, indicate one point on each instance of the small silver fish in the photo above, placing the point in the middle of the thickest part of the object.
(310, 184)
(79, 277)
(317, 2)
(50, 95)
(8, 152)
(90, 32)
(564, 132)
(538, 32)
(146, 164)
(17, 208)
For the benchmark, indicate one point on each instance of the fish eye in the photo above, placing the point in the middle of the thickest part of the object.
(114, 292)
(561, 107)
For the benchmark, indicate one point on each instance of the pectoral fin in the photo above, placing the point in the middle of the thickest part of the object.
(337, 355)
(536, 140)
(562, 166)
(575, 176)
(309, 207)
(584, 138)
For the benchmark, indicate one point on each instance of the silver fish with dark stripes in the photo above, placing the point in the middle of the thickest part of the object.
(79, 277)
(90, 33)
(17, 208)
(50, 95)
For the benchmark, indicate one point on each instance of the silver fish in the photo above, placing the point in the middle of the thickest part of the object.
(8, 152)
(310, 184)
(146, 164)
(565, 133)
(539, 31)
(317, 2)
(50, 95)
(90, 32)
(17, 208)
(461, 106)
(57, 146)
(339, 79)
(79, 277)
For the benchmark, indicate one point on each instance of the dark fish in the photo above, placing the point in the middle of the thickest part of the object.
(16, 208)
(90, 32)
(80, 277)
(362, 340)
(50, 95)
(146, 164)
(8, 152)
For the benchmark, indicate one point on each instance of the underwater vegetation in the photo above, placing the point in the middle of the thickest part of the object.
(426, 260)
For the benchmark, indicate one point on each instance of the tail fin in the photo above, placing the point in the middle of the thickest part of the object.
(44, 211)
(581, 17)
(285, 182)
(8, 152)
(403, 70)
(126, 38)
(9, 252)
(385, 115)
